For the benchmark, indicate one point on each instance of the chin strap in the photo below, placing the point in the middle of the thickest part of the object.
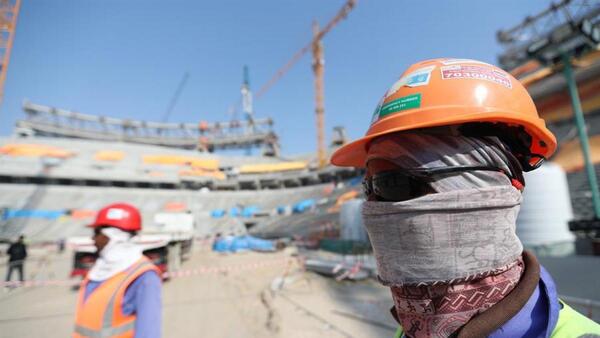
(517, 184)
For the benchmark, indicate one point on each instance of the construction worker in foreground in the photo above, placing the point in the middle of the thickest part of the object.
(121, 294)
(444, 158)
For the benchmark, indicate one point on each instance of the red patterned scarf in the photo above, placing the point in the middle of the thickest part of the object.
(440, 309)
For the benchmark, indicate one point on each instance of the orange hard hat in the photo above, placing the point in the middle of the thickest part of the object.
(119, 215)
(475, 97)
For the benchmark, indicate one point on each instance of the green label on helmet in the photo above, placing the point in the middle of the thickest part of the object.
(403, 103)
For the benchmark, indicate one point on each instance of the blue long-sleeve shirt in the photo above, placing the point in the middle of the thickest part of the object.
(142, 297)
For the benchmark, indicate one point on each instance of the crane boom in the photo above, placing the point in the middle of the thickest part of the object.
(342, 13)
(175, 97)
(318, 68)
(9, 14)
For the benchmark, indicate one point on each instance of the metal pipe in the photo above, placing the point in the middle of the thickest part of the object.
(581, 129)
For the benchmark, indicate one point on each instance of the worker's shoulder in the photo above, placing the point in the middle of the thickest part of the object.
(149, 276)
(147, 280)
(573, 324)
(144, 270)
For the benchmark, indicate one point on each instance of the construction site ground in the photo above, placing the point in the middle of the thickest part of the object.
(236, 295)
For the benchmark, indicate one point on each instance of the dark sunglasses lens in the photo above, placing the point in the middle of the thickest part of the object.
(97, 231)
(394, 188)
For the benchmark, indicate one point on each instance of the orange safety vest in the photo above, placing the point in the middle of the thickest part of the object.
(101, 315)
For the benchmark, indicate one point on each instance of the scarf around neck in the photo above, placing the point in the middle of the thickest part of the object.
(119, 254)
(447, 256)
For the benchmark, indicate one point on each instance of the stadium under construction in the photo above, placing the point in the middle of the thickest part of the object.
(230, 178)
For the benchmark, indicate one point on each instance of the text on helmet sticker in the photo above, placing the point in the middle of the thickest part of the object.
(116, 214)
(400, 104)
(419, 77)
(475, 72)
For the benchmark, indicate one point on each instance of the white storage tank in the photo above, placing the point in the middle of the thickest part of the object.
(542, 224)
(351, 222)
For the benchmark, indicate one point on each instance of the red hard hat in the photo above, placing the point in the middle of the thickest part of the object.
(119, 215)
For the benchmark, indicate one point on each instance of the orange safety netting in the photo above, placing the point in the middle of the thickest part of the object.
(175, 206)
(271, 167)
(155, 173)
(328, 189)
(82, 213)
(343, 198)
(200, 172)
(109, 155)
(182, 160)
(34, 150)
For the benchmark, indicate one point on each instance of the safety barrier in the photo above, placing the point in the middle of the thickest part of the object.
(215, 270)
(588, 304)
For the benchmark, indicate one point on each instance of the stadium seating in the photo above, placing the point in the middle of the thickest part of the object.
(93, 163)
(34, 150)
(51, 187)
(72, 207)
(109, 155)
(271, 167)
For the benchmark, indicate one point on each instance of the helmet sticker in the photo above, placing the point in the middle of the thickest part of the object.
(419, 77)
(375, 116)
(448, 62)
(116, 214)
(477, 72)
(400, 104)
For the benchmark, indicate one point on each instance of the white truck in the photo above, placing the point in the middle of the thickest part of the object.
(166, 241)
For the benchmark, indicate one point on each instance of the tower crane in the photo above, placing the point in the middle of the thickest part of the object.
(9, 12)
(316, 46)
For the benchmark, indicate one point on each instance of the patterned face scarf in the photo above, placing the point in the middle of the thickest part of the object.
(442, 309)
(452, 254)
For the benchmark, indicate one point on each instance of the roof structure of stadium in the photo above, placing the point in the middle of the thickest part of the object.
(204, 136)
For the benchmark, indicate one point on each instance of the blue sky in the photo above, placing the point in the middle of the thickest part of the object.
(125, 58)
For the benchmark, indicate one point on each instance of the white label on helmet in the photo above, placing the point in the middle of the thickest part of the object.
(477, 72)
(419, 77)
(448, 62)
(116, 214)
(375, 116)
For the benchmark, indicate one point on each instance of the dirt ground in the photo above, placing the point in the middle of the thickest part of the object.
(259, 295)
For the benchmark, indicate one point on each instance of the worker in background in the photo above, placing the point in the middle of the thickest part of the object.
(121, 294)
(17, 253)
(444, 158)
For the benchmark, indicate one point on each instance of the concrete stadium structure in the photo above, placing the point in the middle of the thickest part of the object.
(51, 186)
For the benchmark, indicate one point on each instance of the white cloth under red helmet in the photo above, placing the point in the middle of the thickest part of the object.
(119, 254)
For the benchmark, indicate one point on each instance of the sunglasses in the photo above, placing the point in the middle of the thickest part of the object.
(405, 184)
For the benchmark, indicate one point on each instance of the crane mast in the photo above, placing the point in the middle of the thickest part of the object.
(318, 63)
(316, 46)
